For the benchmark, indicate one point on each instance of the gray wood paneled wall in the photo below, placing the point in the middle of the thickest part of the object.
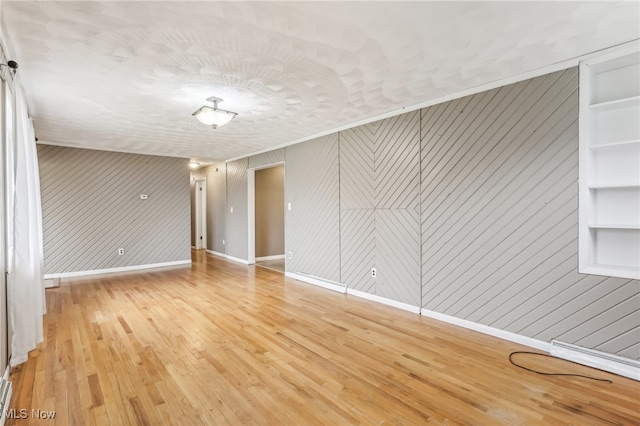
(312, 227)
(499, 219)
(237, 200)
(91, 207)
(266, 158)
(216, 176)
(379, 207)
(467, 208)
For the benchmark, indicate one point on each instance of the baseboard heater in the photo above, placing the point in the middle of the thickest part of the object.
(5, 399)
(593, 358)
(320, 282)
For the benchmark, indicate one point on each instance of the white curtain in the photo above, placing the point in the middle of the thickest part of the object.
(25, 285)
(10, 175)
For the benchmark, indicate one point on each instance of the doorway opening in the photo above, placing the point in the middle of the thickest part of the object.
(200, 215)
(266, 217)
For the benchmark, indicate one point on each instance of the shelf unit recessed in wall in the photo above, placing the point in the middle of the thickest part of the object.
(609, 224)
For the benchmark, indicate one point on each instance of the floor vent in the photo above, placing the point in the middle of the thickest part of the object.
(5, 399)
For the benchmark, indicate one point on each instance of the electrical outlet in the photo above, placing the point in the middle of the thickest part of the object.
(374, 273)
(231, 209)
(143, 196)
(120, 252)
(289, 206)
(290, 255)
(223, 242)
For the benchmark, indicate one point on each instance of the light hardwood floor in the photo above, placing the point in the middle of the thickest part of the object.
(223, 343)
(277, 265)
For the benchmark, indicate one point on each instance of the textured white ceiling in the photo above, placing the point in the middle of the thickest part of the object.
(126, 76)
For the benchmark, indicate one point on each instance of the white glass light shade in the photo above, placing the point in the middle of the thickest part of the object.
(213, 117)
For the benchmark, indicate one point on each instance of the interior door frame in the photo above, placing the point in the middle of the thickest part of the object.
(251, 209)
(201, 213)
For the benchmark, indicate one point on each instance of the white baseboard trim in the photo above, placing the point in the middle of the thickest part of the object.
(603, 361)
(492, 331)
(589, 357)
(384, 300)
(238, 260)
(317, 281)
(215, 253)
(275, 257)
(113, 270)
(7, 371)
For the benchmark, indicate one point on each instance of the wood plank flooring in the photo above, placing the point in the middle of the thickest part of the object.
(223, 343)
(277, 265)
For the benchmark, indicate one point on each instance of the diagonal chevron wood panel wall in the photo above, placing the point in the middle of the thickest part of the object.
(237, 221)
(397, 162)
(312, 231)
(397, 234)
(266, 158)
(467, 208)
(379, 207)
(91, 207)
(357, 167)
(499, 219)
(358, 249)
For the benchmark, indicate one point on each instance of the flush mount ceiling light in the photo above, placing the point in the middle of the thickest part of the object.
(214, 117)
(193, 164)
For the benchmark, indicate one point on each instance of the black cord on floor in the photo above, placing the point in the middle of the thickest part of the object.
(551, 374)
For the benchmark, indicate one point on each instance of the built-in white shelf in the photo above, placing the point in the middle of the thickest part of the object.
(614, 145)
(609, 166)
(614, 226)
(614, 185)
(612, 270)
(616, 104)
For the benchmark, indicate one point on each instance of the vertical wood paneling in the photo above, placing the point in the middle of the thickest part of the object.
(237, 198)
(91, 207)
(312, 226)
(499, 219)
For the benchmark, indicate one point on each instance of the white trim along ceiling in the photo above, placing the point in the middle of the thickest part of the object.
(127, 75)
